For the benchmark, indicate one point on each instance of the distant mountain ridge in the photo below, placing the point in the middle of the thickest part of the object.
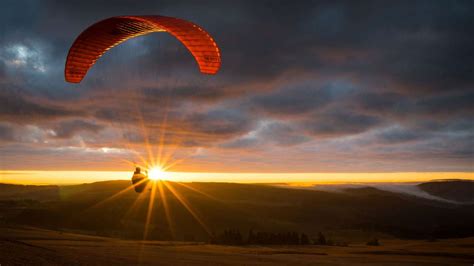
(458, 191)
(451, 189)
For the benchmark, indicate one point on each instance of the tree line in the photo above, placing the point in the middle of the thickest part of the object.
(234, 237)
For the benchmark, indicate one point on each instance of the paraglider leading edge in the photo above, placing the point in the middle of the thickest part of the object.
(92, 43)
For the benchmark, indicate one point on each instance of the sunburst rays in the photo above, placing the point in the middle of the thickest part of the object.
(167, 209)
(149, 213)
(188, 207)
(160, 154)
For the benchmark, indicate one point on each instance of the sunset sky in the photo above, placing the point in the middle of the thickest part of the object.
(305, 87)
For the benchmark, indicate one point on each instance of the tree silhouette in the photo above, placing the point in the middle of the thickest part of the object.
(373, 242)
(321, 239)
(252, 238)
(304, 240)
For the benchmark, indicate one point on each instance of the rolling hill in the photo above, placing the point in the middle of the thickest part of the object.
(203, 209)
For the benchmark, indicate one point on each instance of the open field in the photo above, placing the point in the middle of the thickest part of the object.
(34, 246)
(102, 224)
(113, 209)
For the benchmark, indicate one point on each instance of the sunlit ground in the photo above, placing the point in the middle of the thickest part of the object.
(78, 177)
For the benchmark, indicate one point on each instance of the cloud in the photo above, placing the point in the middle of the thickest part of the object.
(406, 107)
(67, 129)
(339, 123)
(22, 56)
(283, 134)
(293, 100)
(219, 124)
(269, 133)
(18, 107)
(191, 92)
(7, 133)
(390, 81)
(2, 71)
(398, 134)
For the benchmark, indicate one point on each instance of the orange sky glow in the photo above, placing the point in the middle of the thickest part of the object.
(76, 177)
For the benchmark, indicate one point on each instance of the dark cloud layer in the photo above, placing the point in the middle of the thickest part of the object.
(339, 123)
(7, 133)
(392, 81)
(67, 129)
(18, 107)
(294, 101)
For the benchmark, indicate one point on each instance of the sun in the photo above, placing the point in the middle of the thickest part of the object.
(156, 173)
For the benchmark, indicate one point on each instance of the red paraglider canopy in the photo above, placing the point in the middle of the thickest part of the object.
(100, 37)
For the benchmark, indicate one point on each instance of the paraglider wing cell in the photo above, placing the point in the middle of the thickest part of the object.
(100, 37)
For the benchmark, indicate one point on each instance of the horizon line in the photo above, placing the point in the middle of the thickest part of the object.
(58, 177)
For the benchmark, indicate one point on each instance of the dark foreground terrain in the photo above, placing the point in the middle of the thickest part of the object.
(31, 246)
(106, 222)
(196, 211)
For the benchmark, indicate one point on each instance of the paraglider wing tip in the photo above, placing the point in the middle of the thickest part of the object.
(70, 76)
(209, 72)
(75, 81)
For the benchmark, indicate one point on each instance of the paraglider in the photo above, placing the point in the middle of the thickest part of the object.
(97, 39)
(91, 44)
(139, 180)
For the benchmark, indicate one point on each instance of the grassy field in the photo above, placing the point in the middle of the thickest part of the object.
(32, 246)
(102, 224)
